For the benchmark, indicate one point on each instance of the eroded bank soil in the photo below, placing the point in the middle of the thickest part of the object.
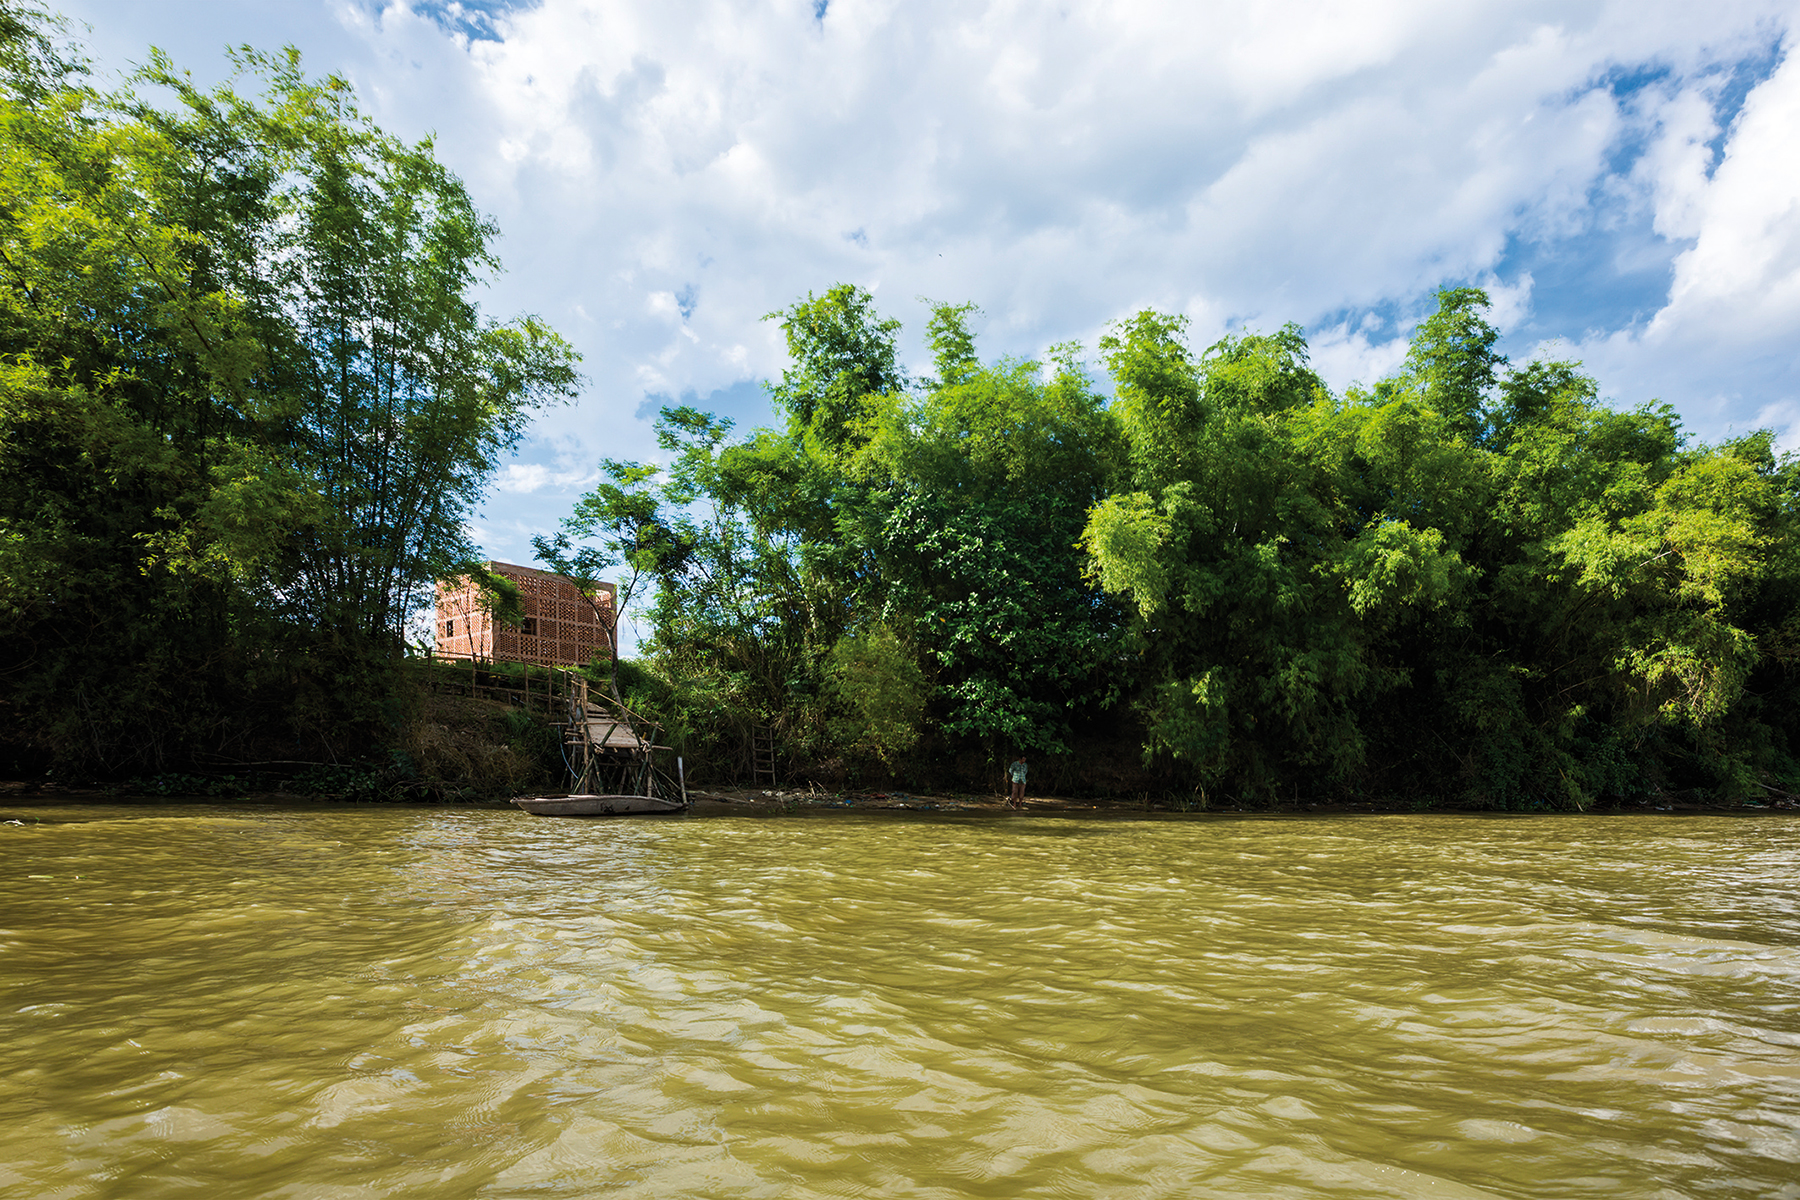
(718, 801)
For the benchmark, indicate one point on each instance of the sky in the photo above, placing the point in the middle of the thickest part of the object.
(1623, 178)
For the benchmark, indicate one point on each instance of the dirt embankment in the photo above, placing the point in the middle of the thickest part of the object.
(780, 801)
(724, 801)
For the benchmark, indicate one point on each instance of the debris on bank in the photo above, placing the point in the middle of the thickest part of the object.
(798, 799)
(813, 799)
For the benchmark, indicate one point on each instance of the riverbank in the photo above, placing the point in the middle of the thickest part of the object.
(715, 801)
(777, 801)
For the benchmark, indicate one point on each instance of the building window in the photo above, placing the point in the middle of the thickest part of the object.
(528, 626)
(449, 628)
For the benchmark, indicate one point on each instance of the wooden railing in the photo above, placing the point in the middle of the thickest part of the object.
(536, 689)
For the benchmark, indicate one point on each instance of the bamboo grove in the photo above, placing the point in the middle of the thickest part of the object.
(246, 407)
(1471, 584)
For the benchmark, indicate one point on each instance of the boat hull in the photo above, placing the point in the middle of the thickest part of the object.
(596, 806)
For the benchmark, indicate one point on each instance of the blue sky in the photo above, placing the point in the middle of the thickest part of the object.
(1623, 177)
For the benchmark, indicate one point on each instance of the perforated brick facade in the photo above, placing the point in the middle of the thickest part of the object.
(559, 628)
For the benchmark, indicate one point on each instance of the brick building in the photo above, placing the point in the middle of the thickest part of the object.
(558, 629)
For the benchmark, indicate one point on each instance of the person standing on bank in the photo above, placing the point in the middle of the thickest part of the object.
(1017, 772)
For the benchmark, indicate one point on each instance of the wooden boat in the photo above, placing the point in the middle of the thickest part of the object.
(596, 806)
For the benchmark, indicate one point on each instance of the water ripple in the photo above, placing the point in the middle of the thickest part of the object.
(474, 1003)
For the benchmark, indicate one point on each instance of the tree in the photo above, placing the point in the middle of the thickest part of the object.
(722, 596)
(984, 484)
(245, 403)
(626, 525)
(1470, 582)
(1452, 363)
(397, 397)
(1232, 552)
(843, 354)
(136, 485)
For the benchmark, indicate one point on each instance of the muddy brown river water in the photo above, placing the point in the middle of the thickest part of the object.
(381, 1002)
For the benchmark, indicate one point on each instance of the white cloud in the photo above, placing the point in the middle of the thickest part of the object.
(1676, 168)
(1239, 164)
(667, 173)
(558, 468)
(522, 479)
(1344, 357)
(1726, 345)
(1784, 418)
(1511, 301)
(1741, 280)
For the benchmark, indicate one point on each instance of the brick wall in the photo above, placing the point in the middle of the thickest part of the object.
(558, 629)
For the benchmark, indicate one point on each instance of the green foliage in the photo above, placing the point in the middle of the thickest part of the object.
(352, 782)
(1452, 365)
(879, 692)
(1234, 559)
(246, 406)
(176, 783)
(1472, 582)
(843, 356)
(896, 562)
(352, 258)
(984, 481)
(536, 741)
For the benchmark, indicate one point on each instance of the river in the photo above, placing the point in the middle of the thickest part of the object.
(377, 1002)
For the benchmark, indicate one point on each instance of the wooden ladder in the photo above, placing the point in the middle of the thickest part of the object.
(762, 755)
